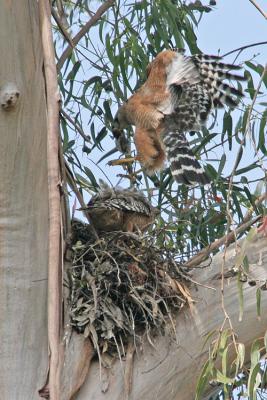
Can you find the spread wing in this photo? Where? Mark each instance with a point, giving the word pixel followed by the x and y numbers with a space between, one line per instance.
pixel 181 70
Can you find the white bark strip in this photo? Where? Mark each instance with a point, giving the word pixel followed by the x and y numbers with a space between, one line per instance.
pixel 54 264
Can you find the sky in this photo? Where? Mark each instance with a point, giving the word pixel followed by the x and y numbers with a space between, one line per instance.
pixel 232 24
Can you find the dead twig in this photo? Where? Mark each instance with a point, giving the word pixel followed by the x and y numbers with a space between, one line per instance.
pixel 77 128
pixel 67 52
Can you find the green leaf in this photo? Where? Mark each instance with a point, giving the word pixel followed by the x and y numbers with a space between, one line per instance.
pixel 252 386
pixel 91 176
pixel 107 154
pixel 203 379
pixel 237 205
pixel 255 353
pixel 68 145
pixel 223 379
pixel 262 133
pixel 251 234
pixel 258 69
pixel 107 110
pixel 258 297
pixel 223 339
pixel 259 188
pixel 224 362
pixel 238 158
pixel 212 173
pixel 247 169
pixel 123 69
pixel 110 49
pixel 246 264
pixel 241 354
pixel 244 121
pixel 250 85
pixel 73 72
pixel 82 181
pixel 208 336
pixel 228 127
pixel 221 165
pixel 240 297
pixel 265 341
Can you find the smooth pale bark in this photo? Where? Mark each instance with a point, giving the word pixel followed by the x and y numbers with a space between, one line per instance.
pixel 23 206
pixel 170 370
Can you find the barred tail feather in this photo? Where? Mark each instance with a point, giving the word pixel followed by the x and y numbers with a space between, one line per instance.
pixel 185 167
pixel 213 73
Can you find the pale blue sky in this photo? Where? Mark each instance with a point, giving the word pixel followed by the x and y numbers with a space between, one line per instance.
pixel 232 24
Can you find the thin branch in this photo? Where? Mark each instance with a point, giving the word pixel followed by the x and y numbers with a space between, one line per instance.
pixel 258 8
pixel 255 98
pixel 244 48
pixel 54 260
pixel 228 239
pixel 72 183
pixel 62 28
pixel 67 52
pixel 78 129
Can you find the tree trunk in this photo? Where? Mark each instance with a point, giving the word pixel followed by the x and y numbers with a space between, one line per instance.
pixel 23 205
pixel 171 369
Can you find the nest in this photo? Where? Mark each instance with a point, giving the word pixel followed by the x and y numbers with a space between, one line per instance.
pixel 123 285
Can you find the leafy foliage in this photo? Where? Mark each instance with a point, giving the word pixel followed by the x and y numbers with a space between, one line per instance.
pixel 108 64
pixel 222 368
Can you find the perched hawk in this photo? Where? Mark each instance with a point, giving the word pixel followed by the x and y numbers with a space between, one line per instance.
pixel 120 210
pixel 176 98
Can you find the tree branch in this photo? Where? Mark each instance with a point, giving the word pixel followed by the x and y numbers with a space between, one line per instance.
pixel 258 8
pixel 72 183
pixel 228 238
pixel 78 129
pixel 61 27
pixel 225 239
pixel 54 260
pixel 67 52
pixel 240 49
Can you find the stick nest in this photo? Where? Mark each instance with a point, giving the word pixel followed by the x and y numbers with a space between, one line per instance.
pixel 123 285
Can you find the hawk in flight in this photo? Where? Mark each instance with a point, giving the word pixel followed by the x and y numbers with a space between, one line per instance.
pixel 176 98
pixel 117 209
